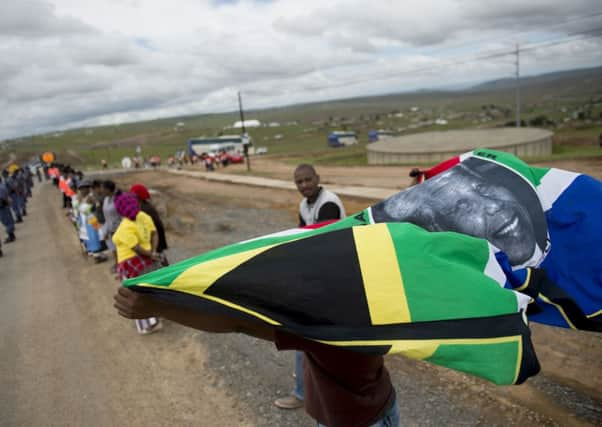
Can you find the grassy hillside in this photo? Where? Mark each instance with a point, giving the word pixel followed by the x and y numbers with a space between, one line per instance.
pixel 569 103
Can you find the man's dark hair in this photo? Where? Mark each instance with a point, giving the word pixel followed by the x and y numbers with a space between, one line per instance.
pixel 96 183
pixel 109 185
pixel 306 166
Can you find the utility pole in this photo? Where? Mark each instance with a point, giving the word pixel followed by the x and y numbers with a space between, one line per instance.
pixel 245 139
pixel 517 63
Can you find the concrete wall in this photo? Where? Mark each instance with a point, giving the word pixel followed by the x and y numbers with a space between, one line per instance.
pixel 535 148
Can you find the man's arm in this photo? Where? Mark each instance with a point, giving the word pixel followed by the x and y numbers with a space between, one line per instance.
pixel 135 305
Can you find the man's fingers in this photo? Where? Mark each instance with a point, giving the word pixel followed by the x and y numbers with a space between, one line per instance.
pixel 126 312
pixel 125 292
pixel 121 299
pixel 122 314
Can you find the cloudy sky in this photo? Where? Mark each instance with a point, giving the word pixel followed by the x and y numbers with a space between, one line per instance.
pixel 66 63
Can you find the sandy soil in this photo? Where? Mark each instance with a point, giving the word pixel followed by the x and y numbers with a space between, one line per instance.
pixel 68 359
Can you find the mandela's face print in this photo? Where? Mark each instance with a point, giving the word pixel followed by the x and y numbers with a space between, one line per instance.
pixel 488 211
pixel 480 199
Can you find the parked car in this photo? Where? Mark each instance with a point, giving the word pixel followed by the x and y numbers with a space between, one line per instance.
pixel 236 158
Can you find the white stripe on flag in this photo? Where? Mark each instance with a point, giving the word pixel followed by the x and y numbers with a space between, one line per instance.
pixel 465 156
pixel 493 269
pixel 552 185
pixel 284 233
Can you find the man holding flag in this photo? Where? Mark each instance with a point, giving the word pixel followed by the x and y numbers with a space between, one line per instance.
pixel 448 271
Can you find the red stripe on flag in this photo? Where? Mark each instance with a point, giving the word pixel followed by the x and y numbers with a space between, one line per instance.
pixel 442 167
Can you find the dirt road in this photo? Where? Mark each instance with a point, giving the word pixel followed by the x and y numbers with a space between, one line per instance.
pixel 381 176
pixel 69 360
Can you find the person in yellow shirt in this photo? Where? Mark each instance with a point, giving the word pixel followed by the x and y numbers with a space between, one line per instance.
pixel 135 243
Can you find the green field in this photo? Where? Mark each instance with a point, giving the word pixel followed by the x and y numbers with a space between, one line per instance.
pixel 570 102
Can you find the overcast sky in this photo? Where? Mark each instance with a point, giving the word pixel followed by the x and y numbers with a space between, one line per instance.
pixel 66 63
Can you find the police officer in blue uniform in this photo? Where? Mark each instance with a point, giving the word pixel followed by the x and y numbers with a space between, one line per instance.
pixel 14 189
pixel 6 217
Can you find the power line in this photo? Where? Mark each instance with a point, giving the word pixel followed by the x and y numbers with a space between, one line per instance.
pixel 517 52
pixel 536 29
pixel 571 37
pixel 583 35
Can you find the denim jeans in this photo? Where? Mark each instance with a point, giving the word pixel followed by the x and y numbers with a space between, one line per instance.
pixel 390 419
pixel 299 390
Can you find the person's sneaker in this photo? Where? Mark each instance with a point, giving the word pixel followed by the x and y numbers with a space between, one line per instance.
pixel 156 327
pixel 98 258
pixel 289 402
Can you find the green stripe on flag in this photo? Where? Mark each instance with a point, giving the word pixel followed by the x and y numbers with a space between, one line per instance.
pixel 455 266
pixel 498 362
pixel 532 174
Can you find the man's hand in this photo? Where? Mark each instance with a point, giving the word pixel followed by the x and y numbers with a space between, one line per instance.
pixel 134 305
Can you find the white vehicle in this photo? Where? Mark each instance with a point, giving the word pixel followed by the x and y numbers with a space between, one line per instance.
pixel 228 143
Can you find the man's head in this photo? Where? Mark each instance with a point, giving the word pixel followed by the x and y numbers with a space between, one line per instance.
pixel 84 187
pixel 96 187
pixel 307 180
pixel 107 188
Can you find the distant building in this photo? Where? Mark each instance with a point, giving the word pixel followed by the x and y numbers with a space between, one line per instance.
pixel 248 124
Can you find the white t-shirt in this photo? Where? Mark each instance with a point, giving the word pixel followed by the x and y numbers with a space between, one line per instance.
pixel 309 212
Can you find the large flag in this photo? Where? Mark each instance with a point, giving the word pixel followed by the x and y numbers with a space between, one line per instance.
pixel 443 272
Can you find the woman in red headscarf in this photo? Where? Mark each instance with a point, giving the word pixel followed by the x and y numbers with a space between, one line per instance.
pixel 136 246
pixel 147 207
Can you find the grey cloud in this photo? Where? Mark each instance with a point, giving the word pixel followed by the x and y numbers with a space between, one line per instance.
pixel 419 24
pixel 37 18
pixel 110 51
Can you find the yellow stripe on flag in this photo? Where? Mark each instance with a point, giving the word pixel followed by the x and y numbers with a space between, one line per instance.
pixel 423 349
pixel 198 278
pixel 383 283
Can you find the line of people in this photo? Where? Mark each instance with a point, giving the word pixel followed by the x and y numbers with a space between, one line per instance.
pixel 15 189
pixel 111 223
